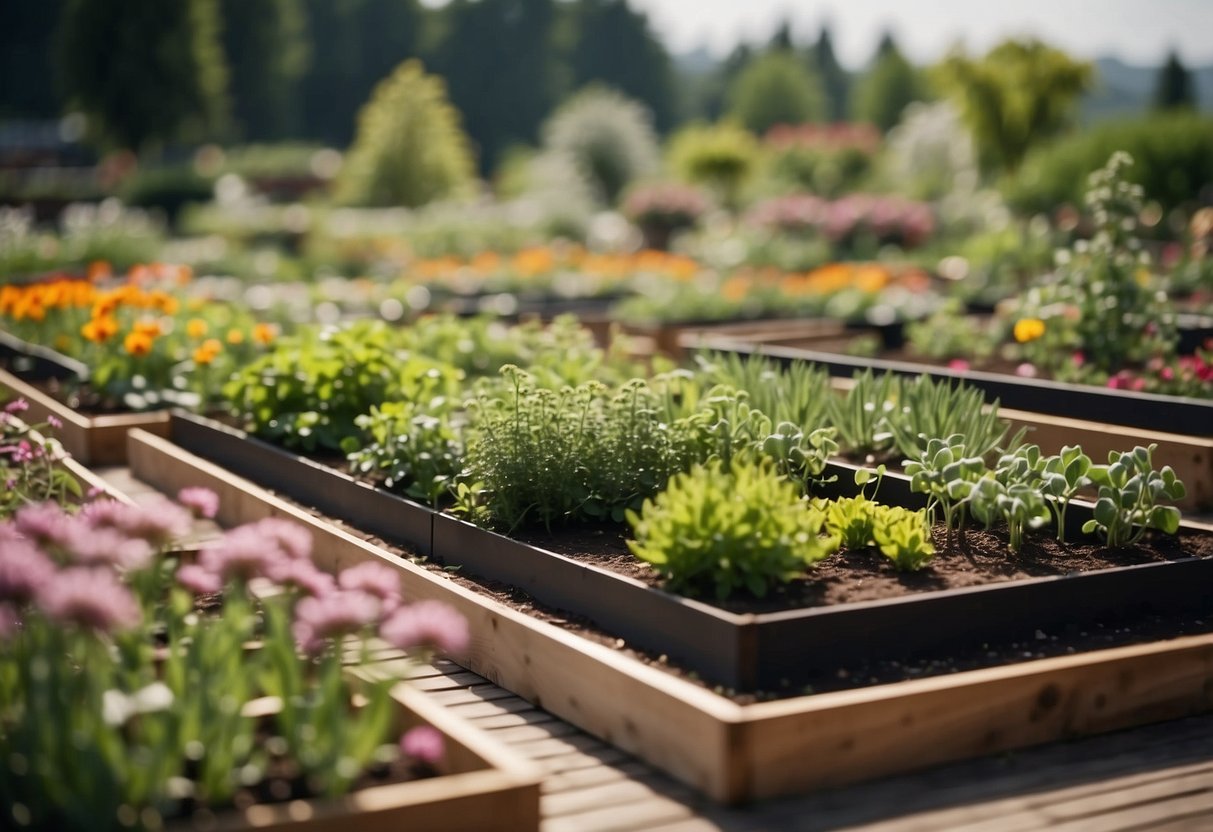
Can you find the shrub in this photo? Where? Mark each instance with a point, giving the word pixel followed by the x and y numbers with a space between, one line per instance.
pixel 410 148
pixel 721 157
pixel 777 88
pixel 608 137
pixel 168 189
pixel 731 527
pixel 1172 153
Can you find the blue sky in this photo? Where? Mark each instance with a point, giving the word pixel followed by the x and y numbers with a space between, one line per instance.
pixel 1137 31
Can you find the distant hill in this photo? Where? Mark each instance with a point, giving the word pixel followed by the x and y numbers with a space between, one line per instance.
pixel 1125 90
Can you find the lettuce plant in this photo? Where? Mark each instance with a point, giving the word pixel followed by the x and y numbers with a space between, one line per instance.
pixel 903 536
pixel 728 528
pixel 1130 497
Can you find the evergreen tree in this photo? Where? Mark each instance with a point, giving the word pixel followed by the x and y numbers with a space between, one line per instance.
pixel 501 63
pixel 774 89
pixel 613 45
pixel 266 54
pixel 1019 93
pixel 883 92
pixel 145 71
pixel 1174 89
pixel 834 79
pixel 27 32
pixel 782 39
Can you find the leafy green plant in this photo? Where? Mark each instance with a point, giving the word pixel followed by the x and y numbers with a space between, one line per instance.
pixel 414 446
pixel 904 537
pixel 798 393
pixel 728 527
pixel 1012 493
pixel 947 473
pixel 799 455
pixel 851 520
pixel 721 157
pixel 1062 477
pixel 1130 497
pixel 933 409
pixel 861 415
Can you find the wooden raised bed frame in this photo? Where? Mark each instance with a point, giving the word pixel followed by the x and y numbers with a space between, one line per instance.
pixel 481 786
pixel 765 651
pixel 91 440
pixel 736 753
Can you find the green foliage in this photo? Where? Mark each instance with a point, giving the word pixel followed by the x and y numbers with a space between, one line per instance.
pixel 1011 494
pixel 886 89
pixel 310 390
pixel 861 414
pixel 1130 495
pixel 931 409
pixel 904 537
pixel 410 149
pixel 608 138
pixel 1173 89
pixel 267 53
pixel 950 333
pixel 1019 93
pixel 776 88
pixel 413 445
pixel 947 472
pixel 145 71
pixel 721 157
pixel 835 83
pixel 728 528
pixel 1172 155
pixel 798 393
pixel 168 189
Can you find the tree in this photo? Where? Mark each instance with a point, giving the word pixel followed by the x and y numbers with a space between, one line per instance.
pixel 776 88
pixel 883 92
pixel 1174 88
pixel 834 79
pixel 502 66
pixel 409 149
pixel 145 71
pixel 27 32
pixel 267 52
pixel 613 45
pixel 1019 93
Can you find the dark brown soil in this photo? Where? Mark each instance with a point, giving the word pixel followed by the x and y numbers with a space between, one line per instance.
pixel 866 575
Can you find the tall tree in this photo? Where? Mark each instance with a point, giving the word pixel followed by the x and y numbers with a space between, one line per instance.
pixel 782 38
pixel 27 32
pixel 503 68
pixel 267 52
pixel 145 71
pixel 776 88
pixel 890 83
pixel 1017 94
pixel 613 44
pixel 1174 89
pixel 834 78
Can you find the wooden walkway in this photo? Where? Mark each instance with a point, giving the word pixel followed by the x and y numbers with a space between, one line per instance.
pixel 1159 777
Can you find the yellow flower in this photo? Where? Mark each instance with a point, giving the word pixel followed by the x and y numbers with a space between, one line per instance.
pixel 1029 329
pixel 196 328
pixel 148 327
pixel 235 336
pixel 137 343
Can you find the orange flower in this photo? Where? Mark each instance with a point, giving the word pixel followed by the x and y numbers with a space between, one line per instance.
pixel 207 352
pixel 148 327
pixel 137 343
pixel 1029 329
pixel 196 328
pixel 99 270
pixel 100 329
pixel 264 333
pixel 235 336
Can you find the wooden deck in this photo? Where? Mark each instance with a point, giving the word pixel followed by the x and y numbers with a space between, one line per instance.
pixel 1158 777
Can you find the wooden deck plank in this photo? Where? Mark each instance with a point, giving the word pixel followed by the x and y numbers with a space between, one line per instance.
pixel 632 816
pixel 532 716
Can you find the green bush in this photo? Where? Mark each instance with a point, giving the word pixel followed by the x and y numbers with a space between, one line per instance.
pixel 728 527
pixel 777 88
pixel 722 157
pixel 168 189
pixel 1172 154
pixel 410 148
pixel 608 137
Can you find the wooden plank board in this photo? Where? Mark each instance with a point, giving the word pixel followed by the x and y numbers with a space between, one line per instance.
pixel 736 753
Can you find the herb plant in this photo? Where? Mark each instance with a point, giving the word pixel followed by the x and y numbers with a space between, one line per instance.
pixel 728 528
pixel 947 474
pixel 861 415
pixel 904 537
pixel 1130 497
pixel 29 463
pixel 935 409
pixel 414 446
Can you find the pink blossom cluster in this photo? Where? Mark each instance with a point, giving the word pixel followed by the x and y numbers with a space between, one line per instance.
pixel 668 204
pixel 826 137
pixel 888 219
pixel 1185 375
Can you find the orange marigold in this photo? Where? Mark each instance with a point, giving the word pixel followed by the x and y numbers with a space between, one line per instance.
pixel 196 328
pixel 100 329
pixel 137 343
pixel 235 336
pixel 264 334
pixel 149 327
pixel 207 351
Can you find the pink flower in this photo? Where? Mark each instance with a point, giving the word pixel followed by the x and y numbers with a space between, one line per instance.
pixel 92 598
pixel 1026 370
pixel 376 579
pixel 158 521
pixel 423 744
pixel 243 553
pixel 16 406
pixel 54 421
pixel 426 624
pixel 318 620
pixel 293 539
pixel 302 575
pixel 958 364
pixel 198 580
pixel 1078 359
pixel 107 547
pixel 46 524
pixel 201 501
pixel 24 570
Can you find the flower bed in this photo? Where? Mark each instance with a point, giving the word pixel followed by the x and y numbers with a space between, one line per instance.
pixel 734 752
pixel 769 651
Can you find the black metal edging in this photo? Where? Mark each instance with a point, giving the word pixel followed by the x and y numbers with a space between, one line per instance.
pixel 1150 411
pixel 38 363
pixel 745 652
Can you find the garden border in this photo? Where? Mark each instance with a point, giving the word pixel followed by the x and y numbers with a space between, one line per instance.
pixel 737 753
pixel 765 651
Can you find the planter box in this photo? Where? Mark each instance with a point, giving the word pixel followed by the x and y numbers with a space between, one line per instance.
pixel 91 440
pixel 736 753
pixel 481 786
pixel 763 651
pixel 37 362
pixel 1150 411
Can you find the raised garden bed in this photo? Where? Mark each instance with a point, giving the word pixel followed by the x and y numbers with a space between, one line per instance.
pixel 741 650
pixel 480 786
pixel 1150 411
pixel 95 440
pixel 735 752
